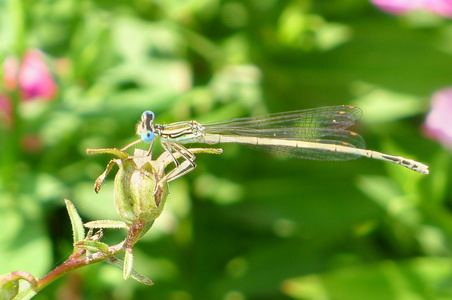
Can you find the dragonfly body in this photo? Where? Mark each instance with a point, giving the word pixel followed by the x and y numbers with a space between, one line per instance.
pixel 319 134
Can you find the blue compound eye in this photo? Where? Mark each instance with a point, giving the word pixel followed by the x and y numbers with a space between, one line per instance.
pixel 146 119
pixel 147 136
pixel 147 116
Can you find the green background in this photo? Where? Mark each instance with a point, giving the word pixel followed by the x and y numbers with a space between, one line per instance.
pixel 245 224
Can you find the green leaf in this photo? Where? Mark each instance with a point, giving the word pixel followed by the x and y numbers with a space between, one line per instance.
pixel 134 274
pixel 107 224
pixel 78 231
pixel 128 263
pixel 25 295
pixel 9 286
pixel 93 246
pixel 9 290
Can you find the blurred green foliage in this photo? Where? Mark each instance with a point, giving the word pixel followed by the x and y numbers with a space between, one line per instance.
pixel 243 225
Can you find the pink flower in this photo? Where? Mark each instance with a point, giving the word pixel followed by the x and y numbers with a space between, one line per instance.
pixel 35 79
pixel 438 124
pixel 33 76
pixel 31 79
pixel 439 7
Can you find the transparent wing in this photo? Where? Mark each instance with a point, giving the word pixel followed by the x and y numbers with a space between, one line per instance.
pixel 325 125
pixel 339 117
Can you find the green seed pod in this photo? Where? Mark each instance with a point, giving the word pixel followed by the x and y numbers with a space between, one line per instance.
pixel 141 186
pixel 135 193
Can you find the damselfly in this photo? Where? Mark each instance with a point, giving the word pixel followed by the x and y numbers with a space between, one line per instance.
pixel 317 134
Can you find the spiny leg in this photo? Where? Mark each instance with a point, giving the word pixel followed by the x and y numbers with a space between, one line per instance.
pixel 166 146
pixel 185 153
pixel 150 149
pixel 179 171
pixel 178 148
